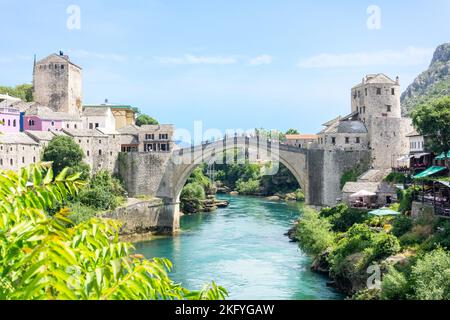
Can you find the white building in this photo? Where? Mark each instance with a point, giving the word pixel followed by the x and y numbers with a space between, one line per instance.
pixel 101 117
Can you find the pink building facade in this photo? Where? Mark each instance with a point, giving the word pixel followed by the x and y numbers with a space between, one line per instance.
pixel 9 120
pixel 34 123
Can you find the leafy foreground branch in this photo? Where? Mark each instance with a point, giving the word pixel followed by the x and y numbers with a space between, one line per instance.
pixel 47 257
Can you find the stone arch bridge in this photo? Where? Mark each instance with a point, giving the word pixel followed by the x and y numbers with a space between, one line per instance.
pixel 163 175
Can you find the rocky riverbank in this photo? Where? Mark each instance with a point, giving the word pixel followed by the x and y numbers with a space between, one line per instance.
pixel 210 204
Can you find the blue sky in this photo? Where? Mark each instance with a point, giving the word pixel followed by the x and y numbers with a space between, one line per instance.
pixel 231 64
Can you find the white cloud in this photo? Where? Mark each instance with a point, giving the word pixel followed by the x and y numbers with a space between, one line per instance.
pixel 407 57
pixel 260 60
pixel 192 59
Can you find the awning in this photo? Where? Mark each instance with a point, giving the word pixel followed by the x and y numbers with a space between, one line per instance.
pixel 445 183
pixel 429 172
pixel 362 194
pixel 384 212
pixel 404 158
pixel 420 155
pixel 442 156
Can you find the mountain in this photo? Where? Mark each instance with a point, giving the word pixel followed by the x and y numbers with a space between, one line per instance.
pixel 430 84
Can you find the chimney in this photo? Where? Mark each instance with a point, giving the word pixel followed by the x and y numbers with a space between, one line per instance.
pixel 397 80
pixel 106 101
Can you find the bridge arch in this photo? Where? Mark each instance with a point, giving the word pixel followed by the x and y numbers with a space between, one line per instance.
pixel 297 169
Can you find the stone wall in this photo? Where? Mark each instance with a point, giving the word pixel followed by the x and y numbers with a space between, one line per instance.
pixel 420 209
pixel 388 140
pixel 325 169
pixel 142 172
pixel 143 217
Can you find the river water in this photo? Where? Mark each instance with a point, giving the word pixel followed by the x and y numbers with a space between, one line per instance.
pixel 242 248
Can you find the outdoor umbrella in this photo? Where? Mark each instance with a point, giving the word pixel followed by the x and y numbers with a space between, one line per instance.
pixel 362 194
pixel 384 212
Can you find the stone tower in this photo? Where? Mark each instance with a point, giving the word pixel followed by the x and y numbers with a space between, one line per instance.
pixel 57 84
pixel 376 101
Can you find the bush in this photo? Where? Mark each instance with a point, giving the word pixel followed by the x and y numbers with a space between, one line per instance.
pixel 395 285
pixel 193 191
pixel 197 176
pixel 342 217
pixel 431 276
pixel 417 235
pixel 314 233
pixel 248 187
pixel 401 225
pixel 385 246
pixel 299 195
pixel 440 238
pixel 104 192
pixel 81 213
pixel 399 178
pixel 191 197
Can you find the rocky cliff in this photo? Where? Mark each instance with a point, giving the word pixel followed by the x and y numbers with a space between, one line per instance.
pixel 430 84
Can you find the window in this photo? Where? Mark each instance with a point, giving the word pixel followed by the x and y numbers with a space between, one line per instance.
pixel 333 140
pixel 1 162
pixel 62 66
pixel 364 109
pixel 75 126
pixel 96 125
pixel 88 153
pixel 3 122
pixel 388 108
pixel 79 141
pixel 365 91
pixel 163 136
pixel 91 126
pixel 110 153
pixel 347 140
pixel 11 162
pixel 358 140
pixel 14 122
pixel 99 152
pixel 378 91
pixel 100 141
pixel 23 159
pixel 34 159
pixel 9 123
pixel 357 109
pixel 68 126
pixel 53 123
pixel 359 94
pixel 393 91
pixel 149 137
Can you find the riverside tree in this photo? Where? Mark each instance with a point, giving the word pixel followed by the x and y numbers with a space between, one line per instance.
pixel 45 257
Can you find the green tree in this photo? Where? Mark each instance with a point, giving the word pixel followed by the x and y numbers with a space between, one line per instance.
pixel 432 120
pixel 292 131
pixel 64 152
pixel 43 257
pixel 314 233
pixel 144 119
pixel 22 91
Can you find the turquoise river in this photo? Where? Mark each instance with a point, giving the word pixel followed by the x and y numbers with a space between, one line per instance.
pixel 244 249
